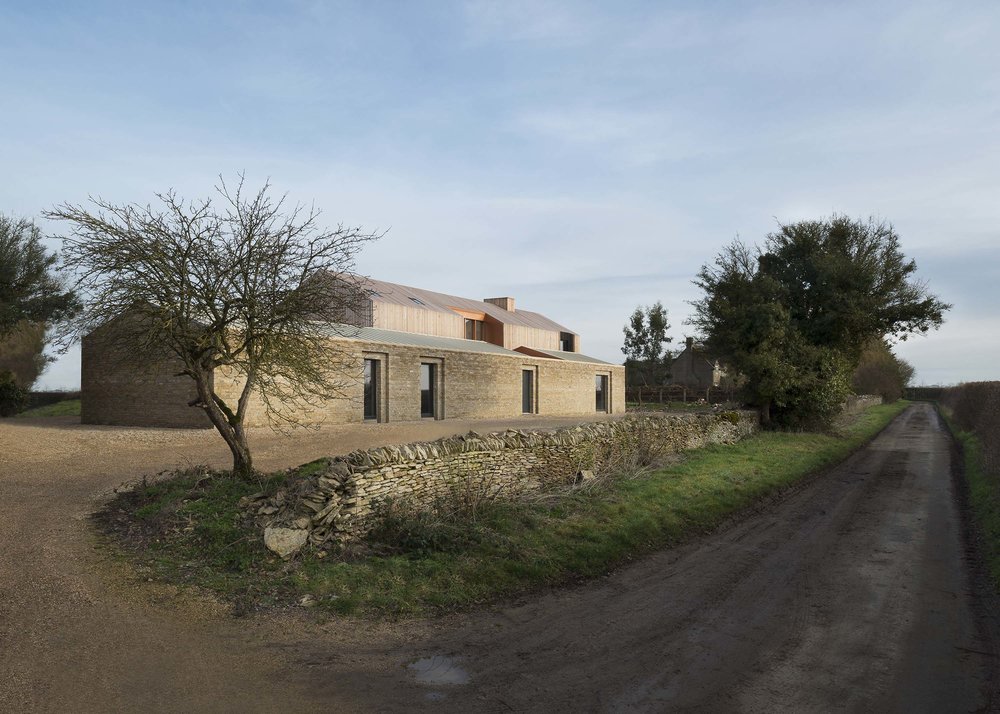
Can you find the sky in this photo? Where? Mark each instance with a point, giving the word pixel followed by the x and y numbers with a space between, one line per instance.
pixel 582 157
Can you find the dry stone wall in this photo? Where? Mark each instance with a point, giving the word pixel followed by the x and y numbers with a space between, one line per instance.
pixel 336 503
pixel 856 404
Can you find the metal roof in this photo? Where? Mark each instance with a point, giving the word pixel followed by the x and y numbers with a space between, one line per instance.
pixel 455 344
pixel 440 302
pixel 569 356
pixel 411 339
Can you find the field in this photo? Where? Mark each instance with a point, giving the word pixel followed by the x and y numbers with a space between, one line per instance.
pixel 67 407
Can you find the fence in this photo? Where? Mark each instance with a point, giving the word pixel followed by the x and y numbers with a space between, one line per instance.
pixel 678 393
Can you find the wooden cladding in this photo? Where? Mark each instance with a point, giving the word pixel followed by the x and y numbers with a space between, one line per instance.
pixel 390 316
pixel 469 314
pixel 453 322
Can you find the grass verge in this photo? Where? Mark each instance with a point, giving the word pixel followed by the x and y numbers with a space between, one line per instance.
pixel 984 497
pixel 188 529
pixel 67 407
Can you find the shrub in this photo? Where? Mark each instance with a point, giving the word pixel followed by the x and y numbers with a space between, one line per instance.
pixel 975 406
pixel 12 397
pixel 881 372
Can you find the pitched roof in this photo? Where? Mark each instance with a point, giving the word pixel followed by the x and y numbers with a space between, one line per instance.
pixel 455 344
pixel 441 302
pixel 558 354
pixel 696 353
pixel 412 339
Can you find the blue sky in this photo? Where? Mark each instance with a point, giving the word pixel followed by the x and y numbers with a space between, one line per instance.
pixel 582 157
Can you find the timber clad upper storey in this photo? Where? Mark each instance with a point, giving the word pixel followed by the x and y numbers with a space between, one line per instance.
pixel 494 320
pixel 407 354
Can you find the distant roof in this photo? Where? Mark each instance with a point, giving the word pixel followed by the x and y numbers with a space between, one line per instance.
pixel 696 353
pixel 441 302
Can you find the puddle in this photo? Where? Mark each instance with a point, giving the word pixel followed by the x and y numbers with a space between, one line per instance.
pixel 437 670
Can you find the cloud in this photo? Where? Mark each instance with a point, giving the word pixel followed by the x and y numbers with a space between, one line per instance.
pixel 587 156
pixel 545 22
pixel 626 138
pixel 965 349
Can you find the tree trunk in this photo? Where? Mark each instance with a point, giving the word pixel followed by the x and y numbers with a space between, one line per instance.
pixel 242 459
pixel 229 426
pixel 765 414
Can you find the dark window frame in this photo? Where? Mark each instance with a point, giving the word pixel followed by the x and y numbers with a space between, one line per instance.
pixel 601 385
pixel 529 402
pixel 429 395
pixel 375 404
pixel 475 329
pixel 372 386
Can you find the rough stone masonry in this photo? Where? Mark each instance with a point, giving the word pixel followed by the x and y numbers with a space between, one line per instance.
pixel 335 504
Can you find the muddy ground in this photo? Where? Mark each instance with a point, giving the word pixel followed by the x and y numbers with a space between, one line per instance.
pixel 855 593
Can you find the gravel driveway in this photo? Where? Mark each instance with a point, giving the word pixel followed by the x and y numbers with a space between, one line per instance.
pixel 853 594
pixel 79 633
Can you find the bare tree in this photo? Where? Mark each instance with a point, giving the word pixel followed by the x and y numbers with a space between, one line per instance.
pixel 250 288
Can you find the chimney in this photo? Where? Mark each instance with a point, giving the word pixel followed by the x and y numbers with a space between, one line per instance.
pixel 689 342
pixel 507 303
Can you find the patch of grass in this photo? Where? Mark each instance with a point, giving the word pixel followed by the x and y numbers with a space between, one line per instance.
pixel 67 407
pixel 984 497
pixel 449 557
pixel 188 528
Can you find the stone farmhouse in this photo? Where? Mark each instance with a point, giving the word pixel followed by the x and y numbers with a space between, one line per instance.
pixel 695 369
pixel 412 354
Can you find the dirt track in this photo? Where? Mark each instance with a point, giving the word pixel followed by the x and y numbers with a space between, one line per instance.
pixel 852 594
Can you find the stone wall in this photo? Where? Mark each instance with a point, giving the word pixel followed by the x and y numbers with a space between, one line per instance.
pixel 117 389
pixel 856 404
pixel 470 385
pixel 335 504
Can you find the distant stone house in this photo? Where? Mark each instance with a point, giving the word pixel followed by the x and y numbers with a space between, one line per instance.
pixel 695 369
pixel 411 354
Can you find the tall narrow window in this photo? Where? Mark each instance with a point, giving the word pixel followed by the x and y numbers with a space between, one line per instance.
pixel 601 388
pixel 527 391
pixel 566 342
pixel 428 372
pixel 371 389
